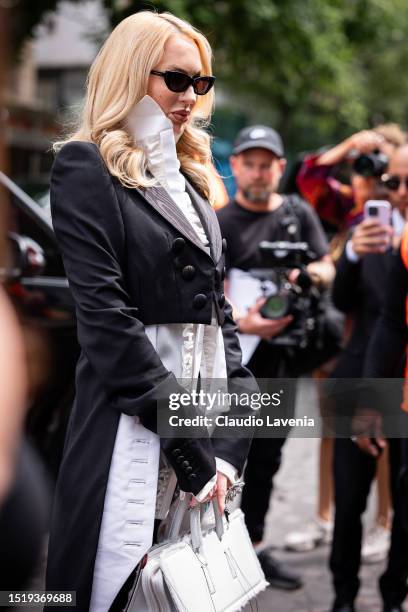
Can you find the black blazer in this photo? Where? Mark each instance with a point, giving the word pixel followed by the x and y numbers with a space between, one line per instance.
pixel 359 290
pixel 131 259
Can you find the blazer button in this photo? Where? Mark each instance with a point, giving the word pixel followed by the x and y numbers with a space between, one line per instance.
pixel 176 452
pixel 223 273
pixel 180 459
pixel 189 469
pixel 221 300
pixel 224 245
pixel 188 273
pixel 199 301
pixel 192 476
pixel 178 245
pixel 185 464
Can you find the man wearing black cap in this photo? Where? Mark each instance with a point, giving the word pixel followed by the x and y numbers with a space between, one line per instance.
pixel 258 212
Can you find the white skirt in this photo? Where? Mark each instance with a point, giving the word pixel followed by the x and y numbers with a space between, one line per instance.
pixel 130 501
pixel 128 514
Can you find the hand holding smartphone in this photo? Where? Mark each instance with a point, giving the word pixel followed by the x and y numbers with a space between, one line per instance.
pixel 374 234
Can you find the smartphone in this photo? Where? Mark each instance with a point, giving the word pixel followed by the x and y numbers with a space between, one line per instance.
pixel 379 210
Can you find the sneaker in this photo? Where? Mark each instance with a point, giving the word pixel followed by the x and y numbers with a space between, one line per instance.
pixel 277 574
pixel 312 535
pixel 376 545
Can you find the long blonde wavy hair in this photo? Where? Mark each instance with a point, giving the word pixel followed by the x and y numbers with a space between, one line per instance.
pixel 118 79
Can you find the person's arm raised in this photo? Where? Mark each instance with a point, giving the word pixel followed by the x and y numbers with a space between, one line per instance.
pixel 363 142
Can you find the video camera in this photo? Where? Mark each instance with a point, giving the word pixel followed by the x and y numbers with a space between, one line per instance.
pixel 299 299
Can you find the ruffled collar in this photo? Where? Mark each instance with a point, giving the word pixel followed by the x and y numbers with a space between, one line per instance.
pixel 153 132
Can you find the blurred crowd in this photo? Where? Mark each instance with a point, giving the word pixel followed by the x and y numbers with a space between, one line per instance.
pixel 357 192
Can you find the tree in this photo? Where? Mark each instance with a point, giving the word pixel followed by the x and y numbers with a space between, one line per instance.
pixel 316 69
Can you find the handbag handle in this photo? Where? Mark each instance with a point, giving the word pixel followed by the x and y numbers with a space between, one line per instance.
pixel 219 524
pixel 195 522
pixel 195 526
pixel 175 525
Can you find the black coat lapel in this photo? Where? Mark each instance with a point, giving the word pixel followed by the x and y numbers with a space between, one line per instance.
pixel 160 200
pixel 208 219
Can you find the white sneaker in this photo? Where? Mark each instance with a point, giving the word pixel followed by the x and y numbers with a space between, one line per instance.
pixel 312 535
pixel 376 544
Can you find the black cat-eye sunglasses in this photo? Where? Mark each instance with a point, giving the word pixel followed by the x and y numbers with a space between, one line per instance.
pixel 178 81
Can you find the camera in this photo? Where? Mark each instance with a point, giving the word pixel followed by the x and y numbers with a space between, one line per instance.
pixel 300 299
pixel 371 164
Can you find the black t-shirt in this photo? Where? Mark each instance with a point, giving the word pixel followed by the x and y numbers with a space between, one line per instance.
pixel 244 230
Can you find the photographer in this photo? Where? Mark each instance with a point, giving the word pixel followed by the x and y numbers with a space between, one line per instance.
pixel 360 290
pixel 341 205
pixel 259 213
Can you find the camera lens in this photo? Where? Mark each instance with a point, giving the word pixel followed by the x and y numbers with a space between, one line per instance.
pixel 276 306
pixel 372 211
pixel 364 165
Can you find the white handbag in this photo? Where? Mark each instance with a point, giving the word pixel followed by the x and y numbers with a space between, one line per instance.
pixel 206 570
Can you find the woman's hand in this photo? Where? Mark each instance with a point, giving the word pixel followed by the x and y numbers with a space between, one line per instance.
pixel 222 487
pixel 219 492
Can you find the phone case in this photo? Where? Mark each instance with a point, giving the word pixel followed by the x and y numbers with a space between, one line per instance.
pixel 378 209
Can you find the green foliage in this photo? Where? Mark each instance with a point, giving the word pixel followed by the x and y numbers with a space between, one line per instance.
pixel 316 69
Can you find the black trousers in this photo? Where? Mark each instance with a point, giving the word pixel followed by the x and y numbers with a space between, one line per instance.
pixel 354 472
pixel 265 454
pixel 264 460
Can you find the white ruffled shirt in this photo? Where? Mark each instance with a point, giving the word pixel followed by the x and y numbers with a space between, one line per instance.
pixel 195 348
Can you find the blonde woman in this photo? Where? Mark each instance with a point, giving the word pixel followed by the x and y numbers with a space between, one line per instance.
pixel 131 196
